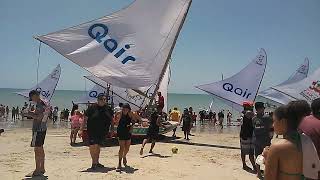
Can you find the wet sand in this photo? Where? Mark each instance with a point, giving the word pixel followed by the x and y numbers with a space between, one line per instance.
pixel 210 154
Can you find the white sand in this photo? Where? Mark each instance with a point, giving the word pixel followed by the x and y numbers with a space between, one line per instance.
pixel 65 162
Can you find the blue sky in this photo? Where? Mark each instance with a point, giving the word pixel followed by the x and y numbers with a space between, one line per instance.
pixel 219 36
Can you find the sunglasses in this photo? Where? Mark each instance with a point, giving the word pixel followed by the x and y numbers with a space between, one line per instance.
pixel 102 99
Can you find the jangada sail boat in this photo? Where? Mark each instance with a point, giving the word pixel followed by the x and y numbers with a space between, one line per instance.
pixel 46 87
pixel 136 100
pixel 128 49
pixel 240 87
pixel 281 98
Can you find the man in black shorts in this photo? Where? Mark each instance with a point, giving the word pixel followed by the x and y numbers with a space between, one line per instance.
pixel 98 117
pixel 39 129
pixel 153 130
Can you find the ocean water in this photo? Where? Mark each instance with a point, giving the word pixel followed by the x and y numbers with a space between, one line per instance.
pixel 63 99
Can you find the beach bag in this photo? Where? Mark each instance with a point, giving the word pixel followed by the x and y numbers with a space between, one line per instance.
pixel 311 161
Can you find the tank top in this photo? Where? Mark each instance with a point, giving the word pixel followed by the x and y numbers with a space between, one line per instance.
pixel 124 123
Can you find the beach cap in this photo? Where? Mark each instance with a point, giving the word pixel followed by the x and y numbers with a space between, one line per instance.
pixel 259 105
pixel 126 105
pixel 247 106
pixel 32 93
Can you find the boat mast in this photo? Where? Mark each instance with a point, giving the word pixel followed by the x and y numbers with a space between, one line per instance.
pixel 169 57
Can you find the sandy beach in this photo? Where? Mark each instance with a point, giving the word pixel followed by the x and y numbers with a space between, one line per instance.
pixel 205 156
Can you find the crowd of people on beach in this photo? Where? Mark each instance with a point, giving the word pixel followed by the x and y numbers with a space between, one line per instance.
pixel 16 112
pixel 96 122
pixel 21 113
pixel 297 123
pixel 289 158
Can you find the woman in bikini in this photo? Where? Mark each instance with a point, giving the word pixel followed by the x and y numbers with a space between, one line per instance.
pixel 284 159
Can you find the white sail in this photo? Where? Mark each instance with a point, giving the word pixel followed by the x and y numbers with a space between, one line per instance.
pixel 122 95
pixel 276 96
pixel 164 88
pixel 129 48
pixel 126 95
pixel 242 86
pixel 47 86
pixel 307 89
pixel 91 96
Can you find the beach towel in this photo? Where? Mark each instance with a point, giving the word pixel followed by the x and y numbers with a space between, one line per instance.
pixel 311 161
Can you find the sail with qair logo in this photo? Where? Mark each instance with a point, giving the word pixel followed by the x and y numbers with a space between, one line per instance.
pixel 242 86
pixel 46 87
pixel 130 48
pixel 281 98
pixel 307 89
pixel 126 95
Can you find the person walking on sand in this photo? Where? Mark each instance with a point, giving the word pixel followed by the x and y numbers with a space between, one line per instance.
pixel 75 119
pixel 98 119
pixel 124 131
pixel 153 130
pixel 262 125
pixel 175 115
pixel 13 114
pixel 39 129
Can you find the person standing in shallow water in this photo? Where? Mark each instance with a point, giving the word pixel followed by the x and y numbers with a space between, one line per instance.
pixel 187 122
pixel 153 130
pixel 13 113
pixel 124 133
pixel 7 111
pixel 221 118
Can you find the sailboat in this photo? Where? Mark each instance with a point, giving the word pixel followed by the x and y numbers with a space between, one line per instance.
pixel 130 48
pixel 136 100
pixel 240 87
pixel 46 87
pixel 281 98
pixel 307 89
